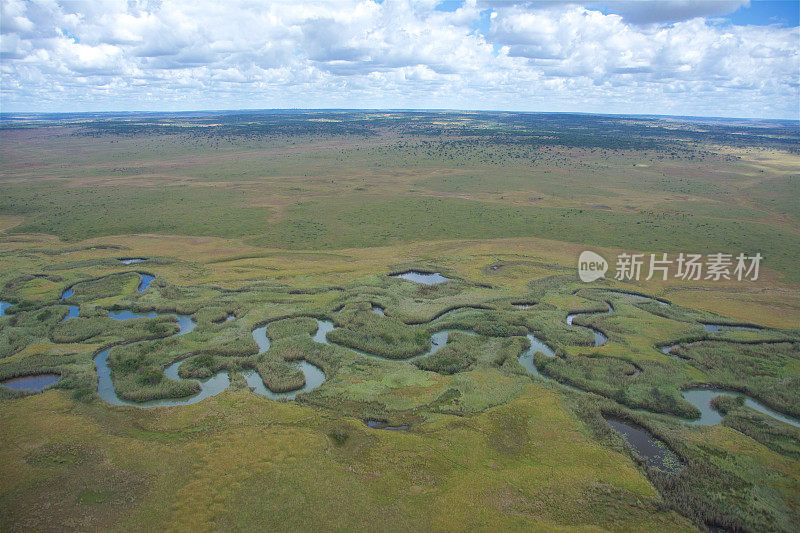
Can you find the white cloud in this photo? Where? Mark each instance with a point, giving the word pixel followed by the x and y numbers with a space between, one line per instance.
pixel 630 57
pixel 574 41
pixel 647 12
pixel 637 11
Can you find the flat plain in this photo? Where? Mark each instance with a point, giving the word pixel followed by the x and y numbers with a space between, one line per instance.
pixel 298 221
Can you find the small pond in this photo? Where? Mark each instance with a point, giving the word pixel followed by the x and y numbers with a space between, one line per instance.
pixel 31 383
pixel 383 424
pixel 131 260
pixel 438 341
pixel 73 312
pixel 129 315
pixel 715 328
pixel 655 452
pixel 185 324
pixel 426 278
pixel 144 282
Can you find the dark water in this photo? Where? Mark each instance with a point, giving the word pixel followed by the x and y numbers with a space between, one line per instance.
pixel 571 317
pixel 105 386
pixel 666 348
pixel 323 327
pixel 651 449
pixel 131 260
pixel 260 336
pixel 422 277
pixel 314 378
pixel 701 398
pixel 715 328
pixel 313 374
pixel 185 322
pixel 526 359
pixel 213 385
pixel 129 315
pixel 145 280
pixel 74 312
pixel 438 341
pixel 31 383
pixel 643 298
pixel 382 424
pixel 3 306
pixel 599 337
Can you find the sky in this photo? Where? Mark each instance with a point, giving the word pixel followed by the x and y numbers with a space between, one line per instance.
pixel 730 58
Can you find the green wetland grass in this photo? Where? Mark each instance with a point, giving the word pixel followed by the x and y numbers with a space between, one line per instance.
pixel 299 229
pixel 475 372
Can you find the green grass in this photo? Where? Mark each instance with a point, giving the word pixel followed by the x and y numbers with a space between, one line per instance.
pixel 777 436
pixel 384 336
pixel 291 327
pixel 317 192
pixel 489 446
pixel 471 395
pixel 376 221
pixel 763 371
pixel 83 212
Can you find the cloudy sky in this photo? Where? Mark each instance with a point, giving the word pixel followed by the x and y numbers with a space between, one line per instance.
pixel 735 58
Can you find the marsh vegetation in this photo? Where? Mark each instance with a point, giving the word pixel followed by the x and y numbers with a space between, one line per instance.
pixel 395 271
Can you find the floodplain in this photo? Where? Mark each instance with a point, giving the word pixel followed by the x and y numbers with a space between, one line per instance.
pixel 310 319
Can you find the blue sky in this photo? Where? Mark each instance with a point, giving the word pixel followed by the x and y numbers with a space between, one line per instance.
pixel 735 58
pixel 783 12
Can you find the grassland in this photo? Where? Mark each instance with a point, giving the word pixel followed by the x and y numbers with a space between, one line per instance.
pixel 279 222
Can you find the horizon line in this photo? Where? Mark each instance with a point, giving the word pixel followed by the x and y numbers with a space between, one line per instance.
pixel 4 114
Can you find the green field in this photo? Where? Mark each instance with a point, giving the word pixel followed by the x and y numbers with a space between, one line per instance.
pixel 251 220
